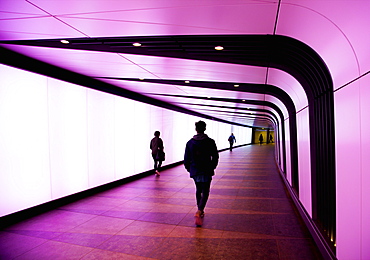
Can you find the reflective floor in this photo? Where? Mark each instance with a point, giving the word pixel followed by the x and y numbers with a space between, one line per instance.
pixel 248 216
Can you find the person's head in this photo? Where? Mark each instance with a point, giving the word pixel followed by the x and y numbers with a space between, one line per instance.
pixel 200 127
pixel 157 133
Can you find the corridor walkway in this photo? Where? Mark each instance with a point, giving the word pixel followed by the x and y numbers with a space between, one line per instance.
pixel 248 216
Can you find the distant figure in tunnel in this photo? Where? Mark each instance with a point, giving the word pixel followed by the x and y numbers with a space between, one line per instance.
pixel 260 139
pixel 271 140
pixel 231 140
pixel 156 145
pixel 200 160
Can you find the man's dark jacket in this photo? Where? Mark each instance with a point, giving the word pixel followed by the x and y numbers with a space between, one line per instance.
pixel 201 156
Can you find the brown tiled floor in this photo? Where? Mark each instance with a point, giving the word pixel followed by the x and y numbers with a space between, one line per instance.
pixel 248 216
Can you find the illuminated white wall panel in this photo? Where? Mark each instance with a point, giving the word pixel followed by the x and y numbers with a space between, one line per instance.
pixel 279 146
pixel 304 162
pixel 213 132
pixel 167 134
pixel 348 169
pixel 125 137
pixel 214 129
pixel 24 148
pixel 287 152
pixel 100 133
pixel 183 129
pixel 223 133
pixel 243 134
pixel 142 133
pixel 58 138
pixel 67 109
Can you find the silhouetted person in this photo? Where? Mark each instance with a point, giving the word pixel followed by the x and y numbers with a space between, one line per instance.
pixel 271 140
pixel 231 140
pixel 260 139
pixel 156 145
pixel 200 160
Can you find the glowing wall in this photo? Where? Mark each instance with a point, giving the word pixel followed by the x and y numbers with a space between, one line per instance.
pixel 304 162
pixel 365 166
pixel 352 118
pixel 24 153
pixel 57 138
pixel 287 152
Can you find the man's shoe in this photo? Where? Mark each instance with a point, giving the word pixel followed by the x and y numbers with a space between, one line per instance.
pixel 198 218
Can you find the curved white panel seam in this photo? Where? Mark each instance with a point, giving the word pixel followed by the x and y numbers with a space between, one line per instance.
pixel 344 35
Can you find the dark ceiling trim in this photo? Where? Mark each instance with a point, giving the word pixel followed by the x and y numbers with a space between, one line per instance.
pixel 243 87
pixel 265 111
pixel 231 100
pixel 245 115
pixel 277 51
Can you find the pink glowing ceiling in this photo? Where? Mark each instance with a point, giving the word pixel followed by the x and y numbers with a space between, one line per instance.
pixel 334 29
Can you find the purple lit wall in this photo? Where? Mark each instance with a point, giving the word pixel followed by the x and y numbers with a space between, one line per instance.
pixel 353 166
pixel 287 147
pixel 304 166
pixel 57 139
pixel 365 166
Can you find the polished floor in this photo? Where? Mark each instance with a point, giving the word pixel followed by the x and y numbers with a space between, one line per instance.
pixel 248 216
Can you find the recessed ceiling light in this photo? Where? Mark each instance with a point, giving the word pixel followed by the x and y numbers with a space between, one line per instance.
pixel 187 81
pixel 137 44
pixel 219 48
pixel 64 41
pixel 141 78
pixel 243 100
pixel 236 85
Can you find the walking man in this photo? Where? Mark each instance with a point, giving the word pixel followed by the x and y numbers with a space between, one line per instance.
pixel 200 160
pixel 231 140
pixel 156 145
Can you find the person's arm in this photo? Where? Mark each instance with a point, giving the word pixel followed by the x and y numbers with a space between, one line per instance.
pixel 214 155
pixel 187 158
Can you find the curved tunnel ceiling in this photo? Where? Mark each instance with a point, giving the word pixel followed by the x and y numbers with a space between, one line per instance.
pixel 328 27
pixel 267 50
